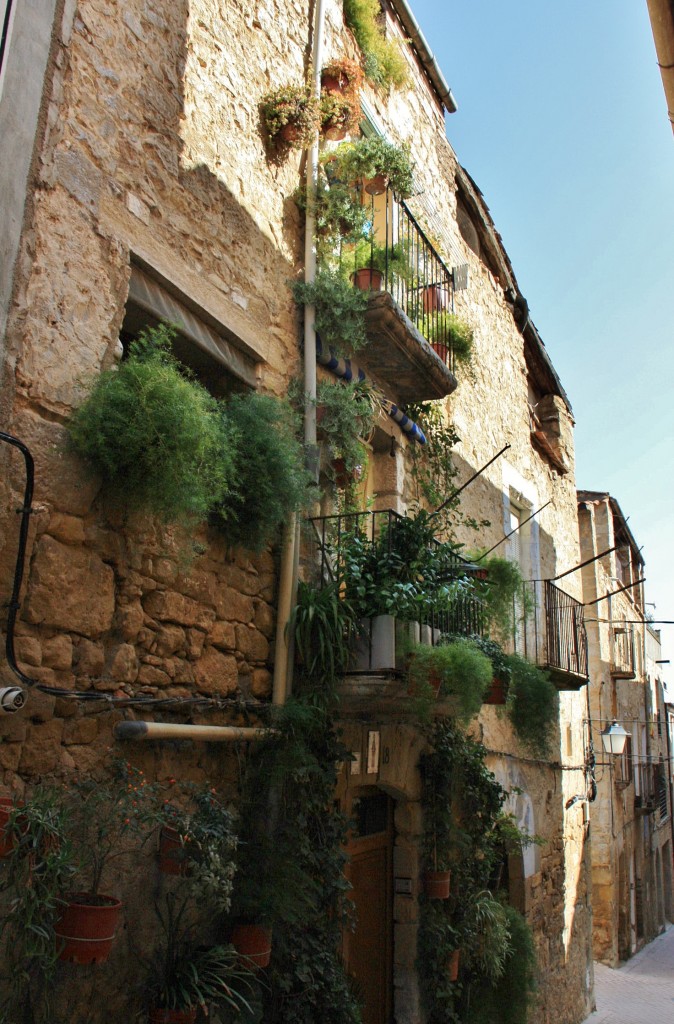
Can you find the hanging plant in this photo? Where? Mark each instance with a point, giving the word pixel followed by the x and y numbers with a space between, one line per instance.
pixel 458 672
pixel 373 157
pixel 154 434
pixel 291 116
pixel 271 478
pixel 383 61
pixel 532 704
pixel 340 311
pixel 348 412
pixel 342 76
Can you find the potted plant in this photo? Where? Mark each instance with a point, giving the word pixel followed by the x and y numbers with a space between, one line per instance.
pixel 323 622
pixel 291 116
pixel 377 165
pixel 154 434
pixel 38 867
pixel 342 76
pixel 448 335
pixel 340 116
pixel 339 311
pixel 340 216
pixel 6 840
pixel 374 263
pixel 185 977
pixel 383 61
pixel 532 704
pixel 105 821
pixel 269 468
pixel 501 668
pixel 458 671
pixel 347 413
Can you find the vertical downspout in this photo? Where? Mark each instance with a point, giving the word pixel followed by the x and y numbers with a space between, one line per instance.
pixel 290 551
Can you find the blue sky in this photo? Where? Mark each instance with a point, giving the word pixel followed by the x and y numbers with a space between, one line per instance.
pixel 562 122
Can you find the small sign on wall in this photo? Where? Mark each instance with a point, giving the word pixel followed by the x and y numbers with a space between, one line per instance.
pixel 356 762
pixel 403 886
pixel 373 741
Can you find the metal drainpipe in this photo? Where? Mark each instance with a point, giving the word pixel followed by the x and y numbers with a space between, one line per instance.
pixel 184 731
pixel 290 554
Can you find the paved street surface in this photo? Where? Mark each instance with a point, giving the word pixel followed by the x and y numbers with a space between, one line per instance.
pixel 640 992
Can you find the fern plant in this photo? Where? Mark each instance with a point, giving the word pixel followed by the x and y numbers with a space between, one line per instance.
pixel 154 434
pixel 271 479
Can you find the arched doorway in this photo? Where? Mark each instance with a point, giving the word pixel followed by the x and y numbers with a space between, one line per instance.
pixel 368 950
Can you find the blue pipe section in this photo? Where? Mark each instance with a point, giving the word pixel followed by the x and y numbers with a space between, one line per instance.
pixel 344 368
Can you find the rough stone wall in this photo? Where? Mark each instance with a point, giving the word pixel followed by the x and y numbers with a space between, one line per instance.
pixel 152 152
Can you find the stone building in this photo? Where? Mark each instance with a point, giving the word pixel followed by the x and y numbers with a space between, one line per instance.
pixel 631 816
pixel 141 189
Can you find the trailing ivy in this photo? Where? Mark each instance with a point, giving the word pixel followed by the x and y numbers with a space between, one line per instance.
pixel 462 804
pixel 532 705
pixel 288 803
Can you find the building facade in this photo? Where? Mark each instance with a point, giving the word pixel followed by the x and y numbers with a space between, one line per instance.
pixel 631 816
pixel 145 190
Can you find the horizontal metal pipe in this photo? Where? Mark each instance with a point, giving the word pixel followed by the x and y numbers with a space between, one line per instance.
pixel 180 731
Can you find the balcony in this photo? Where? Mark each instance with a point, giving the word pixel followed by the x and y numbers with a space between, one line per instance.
pixel 623 664
pixel 411 291
pixel 380 557
pixel 551 633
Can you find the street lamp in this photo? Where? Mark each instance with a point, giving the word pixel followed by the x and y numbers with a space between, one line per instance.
pixel 614 739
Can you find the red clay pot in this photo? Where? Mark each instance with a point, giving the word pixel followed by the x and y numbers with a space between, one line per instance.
pixel 6 808
pixel 87 927
pixel 441 350
pixel 253 944
pixel 368 280
pixel 171 852
pixel 436 884
pixel 375 186
pixel 291 134
pixel 435 298
pixel 497 694
pixel 453 965
pixel 173 1016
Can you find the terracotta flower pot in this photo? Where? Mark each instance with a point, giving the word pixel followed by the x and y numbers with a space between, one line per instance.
pixel 253 944
pixel 368 280
pixel 375 186
pixel 334 132
pixel 436 884
pixel 441 350
pixel 453 965
pixel 87 927
pixel 171 852
pixel 173 1016
pixel 291 134
pixel 435 298
pixel 342 476
pixel 6 808
pixel 497 693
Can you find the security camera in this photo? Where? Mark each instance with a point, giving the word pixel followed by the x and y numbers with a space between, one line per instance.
pixel 11 699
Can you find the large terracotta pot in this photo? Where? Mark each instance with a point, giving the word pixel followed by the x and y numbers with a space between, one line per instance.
pixel 496 694
pixel 436 884
pixel 253 944
pixel 441 350
pixel 375 186
pixel 87 927
pixel 453 965
pixel 171 856
pixel 6 808
pixel 368 280
pixel 173 1016
pixel 435 298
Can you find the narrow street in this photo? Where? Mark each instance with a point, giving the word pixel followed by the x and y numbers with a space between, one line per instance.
pixel 640 992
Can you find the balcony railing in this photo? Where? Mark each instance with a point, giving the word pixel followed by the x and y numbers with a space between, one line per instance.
pixel 549 629
pixel 332 536
pixel 411 271
pixel 622 653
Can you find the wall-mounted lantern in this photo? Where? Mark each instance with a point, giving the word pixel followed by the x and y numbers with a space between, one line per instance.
pixel 614 739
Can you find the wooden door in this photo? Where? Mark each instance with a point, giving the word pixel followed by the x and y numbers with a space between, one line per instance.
pixel 368 950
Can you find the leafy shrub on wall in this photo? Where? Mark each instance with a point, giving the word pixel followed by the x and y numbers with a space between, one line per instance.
pixel 155 434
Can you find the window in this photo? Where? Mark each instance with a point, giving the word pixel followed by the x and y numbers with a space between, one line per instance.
pixel 624 765
pixel 202 344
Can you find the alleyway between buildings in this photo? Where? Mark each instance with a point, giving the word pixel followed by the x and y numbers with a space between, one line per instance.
pixel 640 992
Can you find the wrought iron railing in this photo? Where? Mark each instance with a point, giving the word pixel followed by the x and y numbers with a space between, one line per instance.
pixel 622 653
pixel 549 628
pixel 333 536
pixel 403 261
